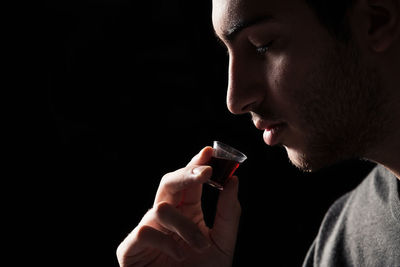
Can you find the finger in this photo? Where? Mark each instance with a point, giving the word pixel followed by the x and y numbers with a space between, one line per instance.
pixel 183 178
pixel 170 218
pixel 192 176
pixel 202 157
pixel 173 184
pixel 144 237
pixel 227 217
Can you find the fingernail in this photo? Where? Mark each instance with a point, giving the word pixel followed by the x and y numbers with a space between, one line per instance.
pixel 197 171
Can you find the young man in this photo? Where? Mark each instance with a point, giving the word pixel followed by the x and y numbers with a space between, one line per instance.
pixel 323 81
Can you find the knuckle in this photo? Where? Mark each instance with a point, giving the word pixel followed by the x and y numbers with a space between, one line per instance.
pixel 166 178
pixel 171 178
pixel 121 252
pixel 162 209
pixel 174 181
pixel 143 232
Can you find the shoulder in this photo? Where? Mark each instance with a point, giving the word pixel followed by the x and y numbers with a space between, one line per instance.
pixel 373 186
pixel 323 250
pixel 357 224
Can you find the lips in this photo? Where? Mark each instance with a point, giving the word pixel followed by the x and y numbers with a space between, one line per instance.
pixel 272 130
pixel 271 137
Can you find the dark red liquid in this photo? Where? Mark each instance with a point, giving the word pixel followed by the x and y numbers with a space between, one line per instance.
pixel 222 169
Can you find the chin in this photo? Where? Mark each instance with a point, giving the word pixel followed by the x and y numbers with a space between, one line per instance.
pixel 307 162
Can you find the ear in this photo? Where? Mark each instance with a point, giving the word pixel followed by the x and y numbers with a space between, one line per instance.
pixel 384 23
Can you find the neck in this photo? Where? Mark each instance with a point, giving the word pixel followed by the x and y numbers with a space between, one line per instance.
pixel 387 151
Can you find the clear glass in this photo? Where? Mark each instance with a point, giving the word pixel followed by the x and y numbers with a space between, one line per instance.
pixel 224 162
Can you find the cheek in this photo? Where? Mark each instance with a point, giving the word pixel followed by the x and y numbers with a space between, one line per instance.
pixel 285 80
pixel 277 76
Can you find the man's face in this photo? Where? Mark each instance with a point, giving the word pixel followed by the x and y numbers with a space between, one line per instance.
pixel 306 90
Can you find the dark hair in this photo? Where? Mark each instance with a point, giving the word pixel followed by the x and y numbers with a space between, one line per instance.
pixel 333 15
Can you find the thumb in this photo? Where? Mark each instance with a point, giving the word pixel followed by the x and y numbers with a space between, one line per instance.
pixel 202 157
pixel 226 222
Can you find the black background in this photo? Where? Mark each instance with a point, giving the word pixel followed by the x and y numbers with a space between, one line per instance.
pixel 118 93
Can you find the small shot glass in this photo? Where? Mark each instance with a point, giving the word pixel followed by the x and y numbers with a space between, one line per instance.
pixel 224 161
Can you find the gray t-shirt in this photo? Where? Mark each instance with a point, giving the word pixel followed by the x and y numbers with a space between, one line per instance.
pixel 362 228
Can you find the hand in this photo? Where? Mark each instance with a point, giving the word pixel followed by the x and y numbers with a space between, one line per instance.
pixel 173 232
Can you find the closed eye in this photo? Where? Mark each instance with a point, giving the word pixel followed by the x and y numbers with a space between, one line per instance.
pixel 261 50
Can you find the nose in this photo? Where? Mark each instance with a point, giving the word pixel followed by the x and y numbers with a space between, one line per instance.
pixel 244 90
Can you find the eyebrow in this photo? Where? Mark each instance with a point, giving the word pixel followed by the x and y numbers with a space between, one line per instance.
pixel 240 25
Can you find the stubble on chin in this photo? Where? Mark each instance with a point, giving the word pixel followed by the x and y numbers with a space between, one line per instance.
pixel 338 113
pixel 299 160
pixel 306 161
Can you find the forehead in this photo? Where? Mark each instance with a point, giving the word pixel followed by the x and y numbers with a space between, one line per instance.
pixel 227 14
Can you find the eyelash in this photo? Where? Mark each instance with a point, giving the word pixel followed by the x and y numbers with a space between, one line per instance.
pixel 262 50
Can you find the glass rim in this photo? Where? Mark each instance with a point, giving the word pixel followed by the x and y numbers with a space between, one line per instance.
pixel 233 152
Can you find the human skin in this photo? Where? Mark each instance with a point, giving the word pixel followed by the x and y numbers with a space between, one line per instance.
pixel 320 98
pixel 173 232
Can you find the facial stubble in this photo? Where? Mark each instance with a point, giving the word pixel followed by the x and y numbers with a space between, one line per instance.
pixel 341 109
